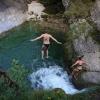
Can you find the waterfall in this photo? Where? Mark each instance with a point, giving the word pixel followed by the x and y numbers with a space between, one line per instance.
pixel 51 77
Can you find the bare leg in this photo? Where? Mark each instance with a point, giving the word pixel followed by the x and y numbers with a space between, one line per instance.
pixel 46 53
pixel 42 52
pixel 74 73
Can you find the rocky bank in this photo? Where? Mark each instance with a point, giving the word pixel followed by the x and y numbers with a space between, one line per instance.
pixel 78 21
pixel 15 12
pixel 80 39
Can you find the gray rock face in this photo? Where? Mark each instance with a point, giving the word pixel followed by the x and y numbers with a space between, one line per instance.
pixel 85 45
pixel 19 4
pixel 95 14
pixel 91 52
pixel 10 18
pixel 93 77
pixel 66 3
pixel 12 13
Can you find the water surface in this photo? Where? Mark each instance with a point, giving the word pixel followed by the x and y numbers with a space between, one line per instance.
pixel 16 45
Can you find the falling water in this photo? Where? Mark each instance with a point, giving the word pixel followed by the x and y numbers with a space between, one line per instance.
pixel 47 74
pixel 51 77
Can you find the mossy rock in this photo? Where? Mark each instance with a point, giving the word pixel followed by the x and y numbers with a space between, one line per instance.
pixel 96 35
pixel 79 8
pixel 58 91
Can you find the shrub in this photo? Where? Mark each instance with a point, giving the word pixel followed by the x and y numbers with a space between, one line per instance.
pixel 19 73
pixel 79 8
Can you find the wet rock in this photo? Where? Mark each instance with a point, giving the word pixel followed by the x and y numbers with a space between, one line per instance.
pixel 37 77
pixel 58 74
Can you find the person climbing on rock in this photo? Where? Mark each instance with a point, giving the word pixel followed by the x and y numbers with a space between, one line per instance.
pixel 78 66
pixel 46 42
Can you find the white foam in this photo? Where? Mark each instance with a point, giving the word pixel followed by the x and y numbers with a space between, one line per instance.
pixel 51 78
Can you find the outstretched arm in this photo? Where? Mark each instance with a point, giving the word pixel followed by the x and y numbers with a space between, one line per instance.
pixel 74 64
pixel 55 40
pixel 36 38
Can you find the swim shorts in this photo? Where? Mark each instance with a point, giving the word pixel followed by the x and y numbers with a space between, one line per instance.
pixel 45 47
pixel 79 67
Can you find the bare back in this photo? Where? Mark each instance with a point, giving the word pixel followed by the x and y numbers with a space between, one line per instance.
pixel 46 38
pixel 80 62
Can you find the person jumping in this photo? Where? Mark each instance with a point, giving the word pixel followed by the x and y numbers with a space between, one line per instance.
pixel 46 42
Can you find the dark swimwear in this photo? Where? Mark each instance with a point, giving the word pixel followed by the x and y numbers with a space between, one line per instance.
pixel 79 67
pixel 45 47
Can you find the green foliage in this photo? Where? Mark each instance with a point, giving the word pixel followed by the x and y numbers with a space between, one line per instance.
pixel 81 27
pixel 79 8
pixel 18 73
pixel 76 29
pixel 96 35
